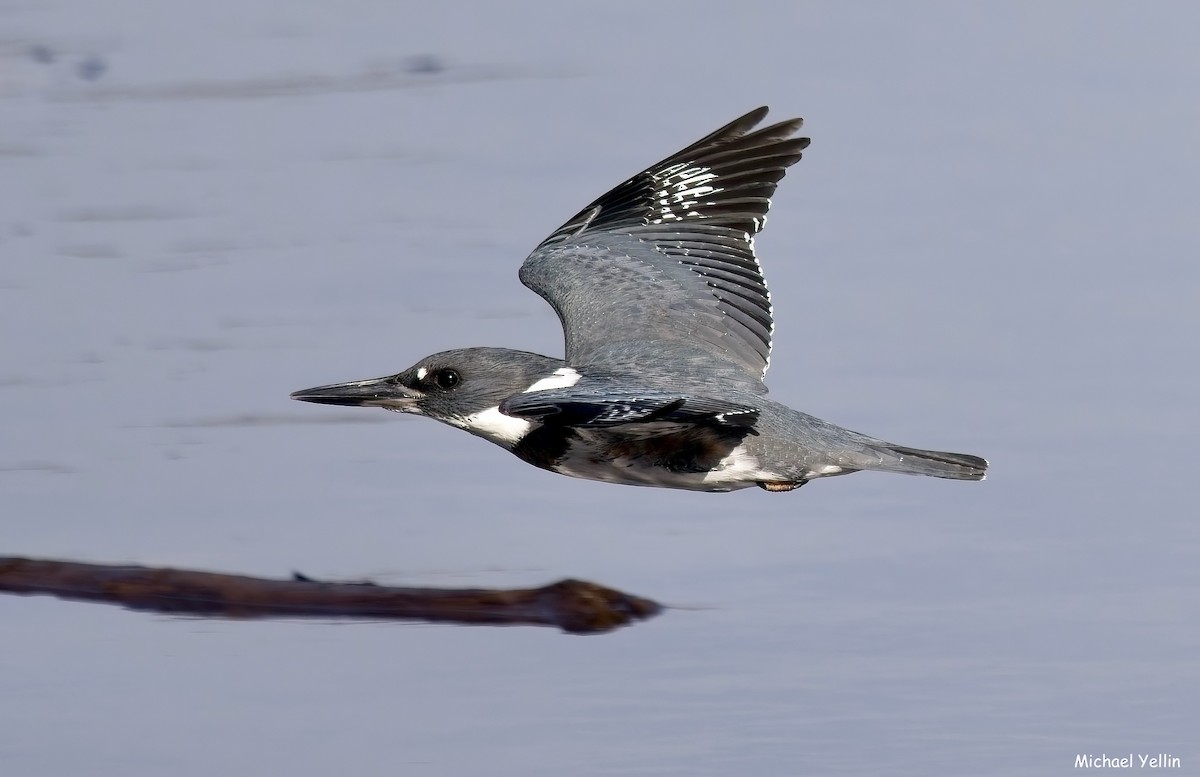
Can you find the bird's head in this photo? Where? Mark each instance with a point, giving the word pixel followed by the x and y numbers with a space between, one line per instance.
pixel 463 388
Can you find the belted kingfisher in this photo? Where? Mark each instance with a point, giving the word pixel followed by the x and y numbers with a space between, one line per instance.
pixel 668 326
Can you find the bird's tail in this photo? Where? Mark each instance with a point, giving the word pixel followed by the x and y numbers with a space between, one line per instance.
pixel 939 464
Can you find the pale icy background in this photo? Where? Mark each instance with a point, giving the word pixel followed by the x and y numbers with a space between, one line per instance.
pixel 991 247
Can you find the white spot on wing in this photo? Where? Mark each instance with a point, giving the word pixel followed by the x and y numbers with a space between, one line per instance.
pixel 563 377
pixel 682 192
pixel 421 373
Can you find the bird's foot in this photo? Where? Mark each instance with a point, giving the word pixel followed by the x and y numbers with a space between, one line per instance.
pixel 780 485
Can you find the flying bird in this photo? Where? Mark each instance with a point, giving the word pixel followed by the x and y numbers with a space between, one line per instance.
pixel 668 326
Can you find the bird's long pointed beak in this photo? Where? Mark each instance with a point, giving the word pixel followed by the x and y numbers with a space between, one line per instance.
pixel 376 392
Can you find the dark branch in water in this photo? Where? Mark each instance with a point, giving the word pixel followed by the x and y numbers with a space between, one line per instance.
pixel 574 606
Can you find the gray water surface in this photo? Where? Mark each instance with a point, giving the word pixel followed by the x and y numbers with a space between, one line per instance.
pixel 991 246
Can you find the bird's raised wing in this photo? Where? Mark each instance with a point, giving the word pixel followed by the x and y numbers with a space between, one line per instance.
pixel 666 259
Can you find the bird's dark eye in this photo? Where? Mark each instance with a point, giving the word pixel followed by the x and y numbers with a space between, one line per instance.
pixel 446 379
